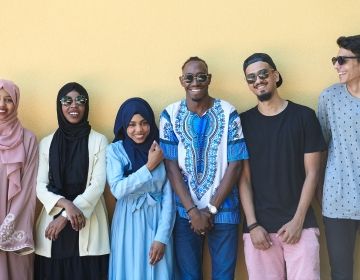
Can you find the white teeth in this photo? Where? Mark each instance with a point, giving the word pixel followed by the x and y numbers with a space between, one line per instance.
pixel 74 113
pixel 195 90
pixel 2 111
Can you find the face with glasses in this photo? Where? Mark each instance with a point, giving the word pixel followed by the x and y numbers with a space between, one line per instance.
pixel 73 106
pixel 195 80
pixel 347 66
pixel 261 79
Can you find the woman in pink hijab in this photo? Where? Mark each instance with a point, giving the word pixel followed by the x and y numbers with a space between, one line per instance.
pixel 18 169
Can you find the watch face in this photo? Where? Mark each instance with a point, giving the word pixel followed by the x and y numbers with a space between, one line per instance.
pixel 212 209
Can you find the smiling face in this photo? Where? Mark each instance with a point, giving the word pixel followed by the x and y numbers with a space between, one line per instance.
pixel 195 91
pixel 265 88
pixel 73 113
pixel 350 70
pixel 138 129
pixel 7 106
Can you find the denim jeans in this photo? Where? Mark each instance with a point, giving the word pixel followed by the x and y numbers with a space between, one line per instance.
pixel 222 242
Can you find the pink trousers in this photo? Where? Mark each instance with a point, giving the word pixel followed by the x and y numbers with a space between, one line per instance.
pixel 282 261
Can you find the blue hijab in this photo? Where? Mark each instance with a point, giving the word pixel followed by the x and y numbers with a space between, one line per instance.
pixel 137 153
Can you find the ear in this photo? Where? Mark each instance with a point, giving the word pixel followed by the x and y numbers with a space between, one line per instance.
pixel 209 78
pixel 277 75
pixel 182 82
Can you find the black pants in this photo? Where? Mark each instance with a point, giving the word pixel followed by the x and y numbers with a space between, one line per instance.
pixel 340 238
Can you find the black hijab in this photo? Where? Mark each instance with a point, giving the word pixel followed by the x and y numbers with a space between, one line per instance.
pixel 69 153
pixel 137 153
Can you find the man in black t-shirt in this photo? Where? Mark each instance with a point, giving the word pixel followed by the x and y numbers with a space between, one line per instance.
pixel 278 182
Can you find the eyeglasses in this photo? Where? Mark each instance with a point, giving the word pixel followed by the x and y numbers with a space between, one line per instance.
pixel 262 74
pixel 67 100
pixel 200 78
pixel 342 59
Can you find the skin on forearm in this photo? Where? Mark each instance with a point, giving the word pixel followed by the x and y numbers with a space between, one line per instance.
pixel 178 184
pixel 259 236
pixel 230 178
pixel 200 220
pixel 312 170
pixel 246 194
pixel 62 202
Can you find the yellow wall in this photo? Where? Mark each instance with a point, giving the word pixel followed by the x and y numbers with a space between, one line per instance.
pixel 119 49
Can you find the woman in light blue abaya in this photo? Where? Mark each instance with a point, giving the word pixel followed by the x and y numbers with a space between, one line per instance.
pixel 141 242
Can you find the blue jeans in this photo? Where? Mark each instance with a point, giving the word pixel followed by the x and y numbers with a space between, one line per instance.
pixel 222 242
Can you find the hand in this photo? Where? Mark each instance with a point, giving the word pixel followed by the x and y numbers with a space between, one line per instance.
pixel 75 216
pixel 156 252
pixel 200 220
pixel 55 227
pixel 290 233
pixel 155 156
pixel 260 238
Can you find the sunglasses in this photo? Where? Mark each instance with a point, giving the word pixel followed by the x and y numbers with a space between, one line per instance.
pixel 342 59
pixel 261 74
pixel 200 78
pixel 67 100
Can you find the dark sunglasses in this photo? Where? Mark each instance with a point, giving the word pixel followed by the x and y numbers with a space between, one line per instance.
pixel 67 100
pixel 262 74
pixel 342 59
pixel 200 78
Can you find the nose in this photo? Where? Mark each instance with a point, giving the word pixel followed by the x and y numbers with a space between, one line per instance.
pixel 258 80
pixel 138 128
pixel 73 104
pixel 194 81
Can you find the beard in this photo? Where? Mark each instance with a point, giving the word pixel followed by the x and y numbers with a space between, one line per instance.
pixel 264 97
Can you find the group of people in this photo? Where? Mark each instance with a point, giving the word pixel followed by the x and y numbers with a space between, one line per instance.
pixel 182 184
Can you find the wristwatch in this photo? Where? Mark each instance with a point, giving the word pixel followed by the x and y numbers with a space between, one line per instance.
pixel 63 213
pixel 212 209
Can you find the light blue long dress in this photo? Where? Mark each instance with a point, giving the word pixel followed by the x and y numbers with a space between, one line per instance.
pixel 144 212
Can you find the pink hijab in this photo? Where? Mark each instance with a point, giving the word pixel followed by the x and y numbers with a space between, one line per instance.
pixel 12 152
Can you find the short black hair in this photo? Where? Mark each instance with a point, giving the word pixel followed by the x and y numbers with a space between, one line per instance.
pixel 351 43
pixel 194 58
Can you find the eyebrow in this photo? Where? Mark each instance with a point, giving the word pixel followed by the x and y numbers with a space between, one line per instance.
pixel 134 122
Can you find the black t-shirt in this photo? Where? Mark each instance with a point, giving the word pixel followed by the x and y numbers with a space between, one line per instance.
pixel 276 146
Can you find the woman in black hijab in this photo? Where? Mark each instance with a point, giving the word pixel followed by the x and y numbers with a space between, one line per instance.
pixel 72 229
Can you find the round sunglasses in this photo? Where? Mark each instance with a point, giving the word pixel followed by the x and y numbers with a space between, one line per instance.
pixel 67 100
pixel 200 77
pixel 261 74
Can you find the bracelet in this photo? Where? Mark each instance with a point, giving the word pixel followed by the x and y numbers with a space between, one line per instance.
pixel 191 208
pixel 252 226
